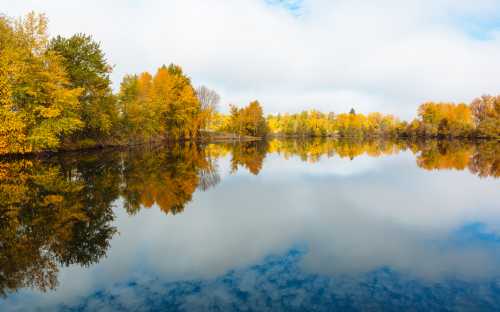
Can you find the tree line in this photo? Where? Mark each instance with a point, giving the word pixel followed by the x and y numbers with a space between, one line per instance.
pixel 56 94
pixel 479 119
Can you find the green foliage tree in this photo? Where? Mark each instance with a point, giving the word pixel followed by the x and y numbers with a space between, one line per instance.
pixel 88 69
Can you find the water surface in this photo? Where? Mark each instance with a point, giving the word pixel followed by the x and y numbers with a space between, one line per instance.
pixel 284 225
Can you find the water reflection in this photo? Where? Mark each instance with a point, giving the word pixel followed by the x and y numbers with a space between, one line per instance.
pixel 481 158
pixel 52 214
pixel 166 177
pixel 61 212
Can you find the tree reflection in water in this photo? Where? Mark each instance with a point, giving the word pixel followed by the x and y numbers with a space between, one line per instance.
pixel 58 211
pixel 53 213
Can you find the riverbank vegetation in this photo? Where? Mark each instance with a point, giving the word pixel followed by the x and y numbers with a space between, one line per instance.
pixel 480 119
pixel 56 94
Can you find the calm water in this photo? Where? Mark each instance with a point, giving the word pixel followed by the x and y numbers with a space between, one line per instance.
pixel 315 225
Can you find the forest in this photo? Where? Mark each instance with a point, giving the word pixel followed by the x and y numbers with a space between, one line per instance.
pixel 56 94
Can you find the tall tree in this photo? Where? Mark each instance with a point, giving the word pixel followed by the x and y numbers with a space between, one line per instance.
pixel 248 120
pixel 38 106
pixel 178 101
pixel 89 70
pixel 163 105
pixel 486 113
pixel 209 101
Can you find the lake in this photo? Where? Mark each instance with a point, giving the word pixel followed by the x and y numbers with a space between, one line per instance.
pixel 281 225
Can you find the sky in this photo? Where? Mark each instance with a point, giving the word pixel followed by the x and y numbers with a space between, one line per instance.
pixel 291 55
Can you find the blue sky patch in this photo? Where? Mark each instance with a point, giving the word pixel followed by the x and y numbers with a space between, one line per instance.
pixel 294 6
pixel 478 27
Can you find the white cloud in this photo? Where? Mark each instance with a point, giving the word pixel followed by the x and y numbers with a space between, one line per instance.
pixel 388 56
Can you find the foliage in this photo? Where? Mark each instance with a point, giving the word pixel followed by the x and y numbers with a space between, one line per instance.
pixel 317 124
pixel 248 120
pixel 444 120
pixel 164 105
pixel 209 101
pixel 56 94
pixel 486 114
pixel 38 106
pixel 88 70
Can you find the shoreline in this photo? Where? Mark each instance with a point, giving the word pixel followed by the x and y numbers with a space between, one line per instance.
pixel 227 138
pixel 122 146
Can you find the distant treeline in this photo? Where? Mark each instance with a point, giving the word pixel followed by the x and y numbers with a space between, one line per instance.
pixel 56 94
pixel 480 119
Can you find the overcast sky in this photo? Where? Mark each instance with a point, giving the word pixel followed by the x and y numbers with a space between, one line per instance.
pixel 385 55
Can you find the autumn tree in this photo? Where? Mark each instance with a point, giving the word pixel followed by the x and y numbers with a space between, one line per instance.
pixel 209 101
pixel 161 106
pixel 88 69
pixel 39 107
pixel 177 97
pixel 445 120
pixel 248 120
pixel 486 114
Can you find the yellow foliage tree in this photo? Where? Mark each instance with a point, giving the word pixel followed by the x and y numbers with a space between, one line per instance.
pixel 38 108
